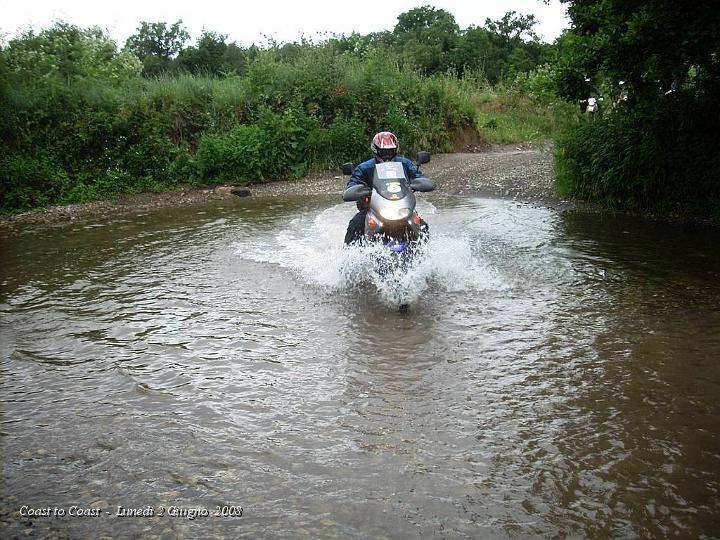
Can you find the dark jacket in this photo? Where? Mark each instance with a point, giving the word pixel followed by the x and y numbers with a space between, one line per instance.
pixel 363 173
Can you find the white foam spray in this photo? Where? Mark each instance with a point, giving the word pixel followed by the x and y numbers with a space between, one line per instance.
pixel 312 246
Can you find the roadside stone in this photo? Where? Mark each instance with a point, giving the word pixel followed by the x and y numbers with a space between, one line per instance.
pixel 241 191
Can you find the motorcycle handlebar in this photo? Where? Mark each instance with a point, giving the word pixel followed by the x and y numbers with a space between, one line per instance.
pixel 356 193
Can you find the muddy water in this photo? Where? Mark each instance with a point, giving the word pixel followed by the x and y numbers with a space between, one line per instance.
pixel 555 375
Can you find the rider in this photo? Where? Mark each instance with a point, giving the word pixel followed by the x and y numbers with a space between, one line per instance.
pixel 384 147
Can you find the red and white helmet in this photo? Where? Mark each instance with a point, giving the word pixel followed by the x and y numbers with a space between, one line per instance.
pixel 384 146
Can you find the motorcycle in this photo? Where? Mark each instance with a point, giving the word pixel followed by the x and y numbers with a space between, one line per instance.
pixel 593 105
pixel 391 218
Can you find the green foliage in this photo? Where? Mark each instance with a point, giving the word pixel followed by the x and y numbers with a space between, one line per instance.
pixel 156 44
pixel 656 150
pixel 65 53
pixel 79 122
pixel 646 44
pixel 662 163
pixel 276 146
pixel 184 168
pixel 427 38
pixel 232 156
pixel 513 26
pixel 430 41
pixel 342 141
pixel 211 56
pixel 540 84
pixel 30 181
pixel 93 185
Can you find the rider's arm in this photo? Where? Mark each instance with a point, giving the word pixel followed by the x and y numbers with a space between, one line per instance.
pixel 362 174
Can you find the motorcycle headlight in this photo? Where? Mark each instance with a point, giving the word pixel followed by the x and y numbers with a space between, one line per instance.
pixel 395 214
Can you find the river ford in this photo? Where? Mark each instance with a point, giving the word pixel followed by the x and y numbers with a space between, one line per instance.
pixel 226 370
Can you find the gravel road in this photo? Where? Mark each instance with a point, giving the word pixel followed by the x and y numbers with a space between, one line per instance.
pixel 523 173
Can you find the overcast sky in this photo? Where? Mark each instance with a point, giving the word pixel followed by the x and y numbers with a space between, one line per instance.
pixel 248 22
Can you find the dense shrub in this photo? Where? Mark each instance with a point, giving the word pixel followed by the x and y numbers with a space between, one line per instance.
pixel 30 181
pixel 276 146
pixel 233 155
pixel 98 137
pixel 89 131
pixel 92 185
pixel 662 161
pixel 342 141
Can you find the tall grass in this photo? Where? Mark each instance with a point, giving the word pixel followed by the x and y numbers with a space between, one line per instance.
pixel 91 138
pixel 524 109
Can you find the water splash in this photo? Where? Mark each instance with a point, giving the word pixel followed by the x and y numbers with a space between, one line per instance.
pixel 312 246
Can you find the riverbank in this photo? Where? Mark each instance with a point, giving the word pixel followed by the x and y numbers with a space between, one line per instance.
pixel 520 172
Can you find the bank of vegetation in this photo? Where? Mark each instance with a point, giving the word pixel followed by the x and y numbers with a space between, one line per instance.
pixel 82 119
pixel 653 145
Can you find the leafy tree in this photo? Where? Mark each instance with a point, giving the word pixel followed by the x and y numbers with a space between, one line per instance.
pixel 428 38
pixel 513 27
pixel 236 59
pixel 426 18
pixel 501 48
pixel 475 51
pixel 657 151
pixel 65 53
pixel 362 45
pixel 156 45
pixel 212 56
pixel 647 44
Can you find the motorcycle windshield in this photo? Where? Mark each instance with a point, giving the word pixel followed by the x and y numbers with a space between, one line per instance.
pixel 390 180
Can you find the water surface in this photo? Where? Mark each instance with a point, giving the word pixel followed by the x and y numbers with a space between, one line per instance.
pixel 556 375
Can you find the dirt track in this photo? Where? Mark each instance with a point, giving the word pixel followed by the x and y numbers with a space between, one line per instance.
pixel 518 172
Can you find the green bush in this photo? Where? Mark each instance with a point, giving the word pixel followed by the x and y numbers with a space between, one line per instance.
pixel 93 185
pixel 296 108
pixel 232 156
pixel 30 182
pixel 342 141
pixel 284 153
pixel 184 168
pixel 539 84
pixel 150 156
pixel 654 159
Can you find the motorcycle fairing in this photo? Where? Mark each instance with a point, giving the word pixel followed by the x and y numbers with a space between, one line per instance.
pixel 390 181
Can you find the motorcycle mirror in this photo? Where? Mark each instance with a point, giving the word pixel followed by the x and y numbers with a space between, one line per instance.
pixel 348 168
pixel 421 184
pixel 423 157
pixel 356 193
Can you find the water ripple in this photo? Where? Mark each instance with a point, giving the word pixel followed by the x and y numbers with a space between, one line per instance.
pixel 554 376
